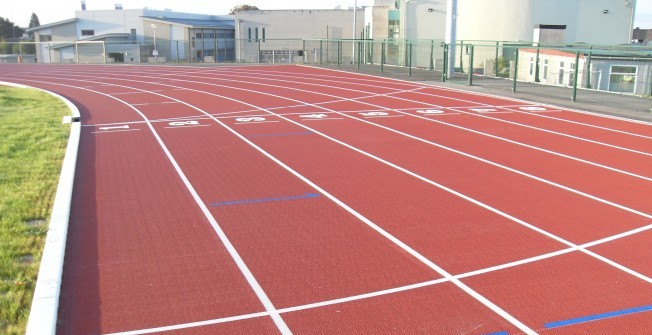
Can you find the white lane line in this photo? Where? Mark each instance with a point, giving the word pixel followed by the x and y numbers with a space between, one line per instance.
pixel 540 129
pixel 452 125
pixel 495 308
pixel 380 117
pixel 587 124
pixel 391 290
pixel 449 190
pixel 465 112
pixel 480 298
pixel 360 81
pixel 455 126
pixel 190 126
pixel 257 122
pixel 192 324
pixel 114 131
pixel 253 283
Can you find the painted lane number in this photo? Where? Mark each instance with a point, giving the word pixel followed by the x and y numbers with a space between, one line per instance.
pixel 184 123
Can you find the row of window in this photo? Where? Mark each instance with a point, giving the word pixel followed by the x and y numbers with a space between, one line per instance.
pixel 621 78
pixel 255 36
pixel 214 35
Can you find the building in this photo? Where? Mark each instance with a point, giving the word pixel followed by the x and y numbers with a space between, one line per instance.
pixel 599 70
pixel 587 21
pixel 283 36
pixel 135 36
pixel 642 36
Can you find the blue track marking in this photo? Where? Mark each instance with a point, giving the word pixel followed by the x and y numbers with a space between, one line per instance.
pixel 498 333
pixel 598 316
pixel 253 201
pixel 282 134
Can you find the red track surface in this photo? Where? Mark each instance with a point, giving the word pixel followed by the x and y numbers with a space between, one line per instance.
pixel 256 200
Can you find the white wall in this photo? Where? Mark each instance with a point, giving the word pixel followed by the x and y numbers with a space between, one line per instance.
pixel 110 22
pixel 423 19
pixel 514 20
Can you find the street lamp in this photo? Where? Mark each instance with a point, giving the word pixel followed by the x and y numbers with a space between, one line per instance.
pixel 155 52
pixel 355 7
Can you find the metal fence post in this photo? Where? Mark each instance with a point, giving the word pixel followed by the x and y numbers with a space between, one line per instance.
pixel 305 54
pixel 177 51
pixel 470 74
pixel 258 50
pixel 536 65
pixel 515 70
pixel 321 48
pixel 339 53
pixel 575 79
pixel 359 54
pixel 432 55
pixel 382 56
pixel 444 70
pixel 496 60
pixel 461 56
pixel 216 54
pixel 588 69
pixel 410 59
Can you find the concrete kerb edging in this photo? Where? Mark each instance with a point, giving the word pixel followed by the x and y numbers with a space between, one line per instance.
pixel 45 304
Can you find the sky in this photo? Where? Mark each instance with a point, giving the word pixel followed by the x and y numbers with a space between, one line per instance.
pixel 48 11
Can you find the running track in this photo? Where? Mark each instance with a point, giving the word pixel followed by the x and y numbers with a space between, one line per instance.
pixel 290 199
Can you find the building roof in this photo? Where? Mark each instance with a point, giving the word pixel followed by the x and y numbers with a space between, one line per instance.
pixel 50 25
pixel 193 23
pixel 93 38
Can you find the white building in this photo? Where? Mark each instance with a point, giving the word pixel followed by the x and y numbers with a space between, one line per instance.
pixel 278 35
pixel 587 21
pixel 132 35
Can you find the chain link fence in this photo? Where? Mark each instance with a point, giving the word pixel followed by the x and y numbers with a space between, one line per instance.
pixel 591 74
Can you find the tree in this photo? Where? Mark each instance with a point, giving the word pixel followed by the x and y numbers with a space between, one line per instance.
pixel 9 29
pixel 242 8
pixel 33 22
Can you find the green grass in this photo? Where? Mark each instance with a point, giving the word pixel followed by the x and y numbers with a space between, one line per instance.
pixel 32 146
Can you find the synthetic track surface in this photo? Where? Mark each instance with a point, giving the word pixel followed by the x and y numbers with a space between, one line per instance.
pixel 289 199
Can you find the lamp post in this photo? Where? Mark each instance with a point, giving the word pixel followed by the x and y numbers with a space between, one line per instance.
pixel 239 40
pixel 155 52
pixel 355 7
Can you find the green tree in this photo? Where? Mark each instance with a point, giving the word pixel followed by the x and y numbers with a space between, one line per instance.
pixel 9 29
pixel 33 22
pixel 242 8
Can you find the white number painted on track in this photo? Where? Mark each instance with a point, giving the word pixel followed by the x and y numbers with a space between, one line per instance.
pixel 250 119
pixel 314 116
pixel 115 128
pixel 483 110
pixel 184 123
pixel 532 108
pixel 374 114
pixel 430 111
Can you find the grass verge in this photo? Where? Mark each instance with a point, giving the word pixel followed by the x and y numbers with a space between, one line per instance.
pixel 32 145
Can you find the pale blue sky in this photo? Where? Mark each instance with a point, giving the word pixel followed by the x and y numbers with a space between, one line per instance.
pixel 48 11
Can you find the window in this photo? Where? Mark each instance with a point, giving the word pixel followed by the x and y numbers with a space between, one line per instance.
pixel 545 69
pixel 87 32
pixel 531 65
pixel 560 78
pixel 249 29
pixel 263 34
pixel 623 79
pixel 45 38
pixel 256 34
pixel 210 36
pixel 199 36
pixel 571 75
